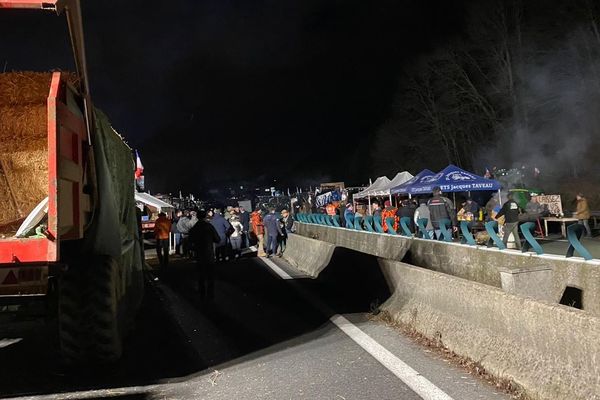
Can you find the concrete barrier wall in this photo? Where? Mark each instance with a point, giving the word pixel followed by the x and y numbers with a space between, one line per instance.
pixel 308 255
pixel 541 277
pixel 551 350
pixel 392 247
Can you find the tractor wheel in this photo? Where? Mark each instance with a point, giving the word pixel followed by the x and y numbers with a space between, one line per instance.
pixel 71 333
pixel 102 310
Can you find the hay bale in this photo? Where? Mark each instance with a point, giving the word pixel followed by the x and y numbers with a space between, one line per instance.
pixel 22 88
pixel 23 146
pixel 22 127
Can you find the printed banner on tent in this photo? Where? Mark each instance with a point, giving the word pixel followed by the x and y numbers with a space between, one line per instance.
pixel 453 179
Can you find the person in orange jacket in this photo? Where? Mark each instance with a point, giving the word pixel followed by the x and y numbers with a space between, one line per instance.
pixel 389 212
pixel 330 209
pixel 162 228
pixel 258 229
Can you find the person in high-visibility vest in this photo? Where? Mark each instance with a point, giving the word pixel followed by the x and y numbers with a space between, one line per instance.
pixel 330 209
pixel 389 212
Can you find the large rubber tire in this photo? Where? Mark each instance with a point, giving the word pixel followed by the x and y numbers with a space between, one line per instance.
pixel 71 332
pixel 89 313
pixel 102 311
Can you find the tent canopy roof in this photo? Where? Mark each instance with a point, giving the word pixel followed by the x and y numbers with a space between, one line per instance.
pixel 379 184
pixel 399 179
pixel 453 179
pixel 153 201
pixel 403 187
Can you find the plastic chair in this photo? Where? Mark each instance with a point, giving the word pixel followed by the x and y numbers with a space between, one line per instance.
pixel 539 230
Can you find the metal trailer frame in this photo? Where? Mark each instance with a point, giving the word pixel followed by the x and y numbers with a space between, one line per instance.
pixel 24 262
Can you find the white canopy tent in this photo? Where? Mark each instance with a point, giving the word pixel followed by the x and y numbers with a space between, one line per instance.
pixel 153 202
pixel 379 184
pixel 383 186
pixel 398 180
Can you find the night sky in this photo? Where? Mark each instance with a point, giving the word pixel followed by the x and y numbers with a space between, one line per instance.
pixel 226 92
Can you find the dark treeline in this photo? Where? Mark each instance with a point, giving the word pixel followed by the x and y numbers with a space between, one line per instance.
pixel 519 85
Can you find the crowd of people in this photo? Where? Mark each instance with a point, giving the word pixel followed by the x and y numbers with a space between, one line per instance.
pixel 210 236
pixel 438 208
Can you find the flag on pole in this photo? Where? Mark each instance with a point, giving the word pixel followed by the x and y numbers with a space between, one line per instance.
pixel 139 172
pixel 139 168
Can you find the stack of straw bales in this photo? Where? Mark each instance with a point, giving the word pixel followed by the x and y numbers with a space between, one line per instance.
pixel 23 146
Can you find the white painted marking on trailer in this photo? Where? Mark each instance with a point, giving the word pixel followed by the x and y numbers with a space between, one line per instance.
pixel 413 379
pixel 282 274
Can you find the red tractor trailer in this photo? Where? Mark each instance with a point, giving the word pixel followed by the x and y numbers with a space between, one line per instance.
pixel 69 231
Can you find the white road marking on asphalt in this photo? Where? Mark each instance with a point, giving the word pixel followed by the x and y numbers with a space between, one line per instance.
pixel 413 379
pixel 282 274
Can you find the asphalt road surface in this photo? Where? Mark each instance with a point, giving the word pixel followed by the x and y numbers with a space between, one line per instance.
pixel 270 333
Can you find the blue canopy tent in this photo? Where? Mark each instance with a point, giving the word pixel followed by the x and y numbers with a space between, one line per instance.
pixel 453 179
pixel 403 188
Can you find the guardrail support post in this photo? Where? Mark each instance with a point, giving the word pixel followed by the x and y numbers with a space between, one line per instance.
pixel 466 232
pixel 492 229
pixel 574 233
pixel 446 233
pixel 527 229
pixel 404 221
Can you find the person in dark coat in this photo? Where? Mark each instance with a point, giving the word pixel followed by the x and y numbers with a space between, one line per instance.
pixel 441 207
pixel 510 211
pixel 273 228
pixel 203 237
pixel 245 220
pixel 407 209
pixel 223 228
pixel 287 225
pixel 375 208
